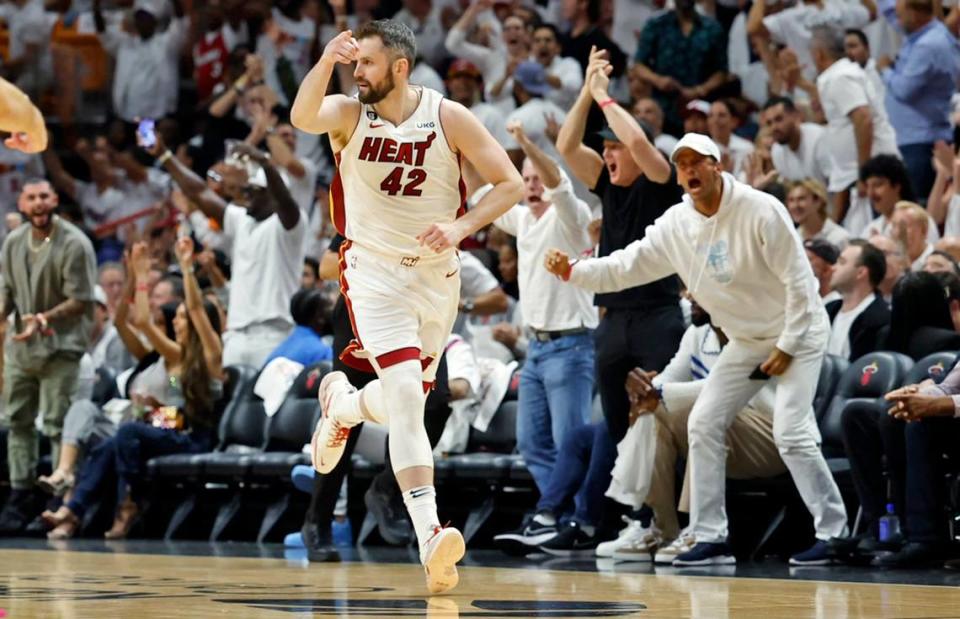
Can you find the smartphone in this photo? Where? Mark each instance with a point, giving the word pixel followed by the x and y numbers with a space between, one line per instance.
pixel 758 374
pixel 147 131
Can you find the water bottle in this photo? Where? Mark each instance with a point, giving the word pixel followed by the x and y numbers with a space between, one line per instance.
pixel 889 525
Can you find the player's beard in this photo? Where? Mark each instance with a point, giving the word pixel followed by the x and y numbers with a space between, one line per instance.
pixel 377 93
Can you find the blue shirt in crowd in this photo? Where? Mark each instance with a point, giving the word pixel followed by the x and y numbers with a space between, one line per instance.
pixel 304 346
pixel 920 84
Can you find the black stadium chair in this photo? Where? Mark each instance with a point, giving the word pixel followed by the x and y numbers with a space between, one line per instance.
pixel 935 366
pixel 867 379
pixel 186 470
pixel 290 428
pixel 105 388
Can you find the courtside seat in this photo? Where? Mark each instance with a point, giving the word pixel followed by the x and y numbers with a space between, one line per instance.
pixel 935 367
pixel 867 379
pixel 482 459
pixel 830 373
pixel 291 427
pixel 239 381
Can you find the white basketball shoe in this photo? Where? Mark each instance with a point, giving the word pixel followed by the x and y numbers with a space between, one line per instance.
pixel 440 555
pixel 330 438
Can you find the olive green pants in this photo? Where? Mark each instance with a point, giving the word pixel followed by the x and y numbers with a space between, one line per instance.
pixel 28 391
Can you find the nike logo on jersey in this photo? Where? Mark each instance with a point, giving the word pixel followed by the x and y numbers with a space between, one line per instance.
pixel 375 125
pixel 451 273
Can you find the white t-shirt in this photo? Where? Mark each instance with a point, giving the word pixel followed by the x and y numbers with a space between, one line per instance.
pixel 147 74
pixel 951 226
pixel 840 329
pixel 425 75
pixel 739 149
pixel 429 32
pixel 492 62
pixel 834 233
pixel 843 88
pixel 267 264
pixel 30 24
pixel 792 26
pixel 548 303
pixel 570 73
pixel 810 160
pixel 475 280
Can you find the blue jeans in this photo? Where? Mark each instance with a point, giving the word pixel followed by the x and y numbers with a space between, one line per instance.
pixel 556 391
pixel 119 460
pixel 916 158
pixel 583 472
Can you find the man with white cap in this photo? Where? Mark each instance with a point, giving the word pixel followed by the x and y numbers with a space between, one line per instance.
pixel 740 255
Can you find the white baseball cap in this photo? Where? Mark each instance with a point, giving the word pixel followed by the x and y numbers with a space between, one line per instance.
pixel 99 295
pixel 696 142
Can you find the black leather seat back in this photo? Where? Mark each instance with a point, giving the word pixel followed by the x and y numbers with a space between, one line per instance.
pixel 935 367
pixel 831 372
pixel 243 421
pixel 501 434
pixel 868 378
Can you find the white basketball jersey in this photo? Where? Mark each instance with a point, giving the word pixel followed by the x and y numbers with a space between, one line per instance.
pixel 392 182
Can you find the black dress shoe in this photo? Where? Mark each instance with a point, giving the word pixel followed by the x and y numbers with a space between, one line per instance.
pixel 913 554
pixel 858 549
pixel 21 508
pixel 319 544
pixel 388 510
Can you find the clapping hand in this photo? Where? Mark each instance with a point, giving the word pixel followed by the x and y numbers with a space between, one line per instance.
pixel 184 251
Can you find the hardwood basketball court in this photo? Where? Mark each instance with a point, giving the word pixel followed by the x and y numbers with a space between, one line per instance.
pixel 153 579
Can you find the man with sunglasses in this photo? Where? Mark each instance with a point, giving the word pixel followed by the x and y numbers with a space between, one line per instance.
pixel 266 236
pixel 739 254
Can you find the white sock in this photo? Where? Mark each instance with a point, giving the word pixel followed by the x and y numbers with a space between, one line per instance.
pixel 546 519
pixel 421 504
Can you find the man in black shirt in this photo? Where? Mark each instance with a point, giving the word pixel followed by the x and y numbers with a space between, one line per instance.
pixel 642 326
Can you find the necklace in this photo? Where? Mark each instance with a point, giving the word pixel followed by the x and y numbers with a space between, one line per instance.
pixel 43 243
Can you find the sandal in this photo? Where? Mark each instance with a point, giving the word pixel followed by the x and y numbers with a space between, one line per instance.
pixel 54 484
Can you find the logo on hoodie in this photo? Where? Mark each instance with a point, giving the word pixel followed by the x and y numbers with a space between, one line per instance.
pixel 718 263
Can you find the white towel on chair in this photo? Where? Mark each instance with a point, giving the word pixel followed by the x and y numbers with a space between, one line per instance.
pixel 630 480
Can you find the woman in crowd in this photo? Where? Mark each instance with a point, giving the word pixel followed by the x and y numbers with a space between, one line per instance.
pixel 807 203
pixel 920 321
pixel 181 418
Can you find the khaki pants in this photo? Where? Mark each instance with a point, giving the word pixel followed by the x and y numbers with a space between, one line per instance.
pixel 751 453
pixel 27 391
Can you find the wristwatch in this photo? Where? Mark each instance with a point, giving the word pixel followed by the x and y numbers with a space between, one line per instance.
pixel 468 305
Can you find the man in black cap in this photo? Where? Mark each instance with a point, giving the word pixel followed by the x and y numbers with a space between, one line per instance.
pixel 642 326
pixel 823 255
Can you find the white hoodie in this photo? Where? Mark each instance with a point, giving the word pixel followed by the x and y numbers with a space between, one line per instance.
pixel 746 266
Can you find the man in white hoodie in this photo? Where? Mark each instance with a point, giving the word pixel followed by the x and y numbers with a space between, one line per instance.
pixel 740 256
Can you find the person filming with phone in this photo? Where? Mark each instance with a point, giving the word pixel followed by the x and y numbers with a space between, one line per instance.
pixel 266 236
pixel 740 256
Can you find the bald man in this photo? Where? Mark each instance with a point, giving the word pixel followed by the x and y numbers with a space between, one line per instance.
pixel 909 228
pixel 21 119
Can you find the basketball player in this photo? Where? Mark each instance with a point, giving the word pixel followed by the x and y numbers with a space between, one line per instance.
pixel 21 119
pixel 741 257
pixel 396 197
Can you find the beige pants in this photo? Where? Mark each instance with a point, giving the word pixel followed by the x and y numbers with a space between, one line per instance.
pixel 751 453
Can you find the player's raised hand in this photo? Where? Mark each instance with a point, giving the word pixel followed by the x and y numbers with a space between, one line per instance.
pixel 440 237
pixel 342 48
pixel 558 263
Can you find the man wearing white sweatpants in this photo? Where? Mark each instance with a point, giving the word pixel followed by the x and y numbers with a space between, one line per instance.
pixel 740 256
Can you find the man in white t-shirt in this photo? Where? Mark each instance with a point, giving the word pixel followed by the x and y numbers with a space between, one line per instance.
pixel 556 382
pixel 285 46
pixel 423 17
pixel 857 317
pixel 798 152
pixel 147 73
pixel 857 125
pixel 480 294
pixel 564 75
pixel 792 27
pixel 29 62
pixel 267 252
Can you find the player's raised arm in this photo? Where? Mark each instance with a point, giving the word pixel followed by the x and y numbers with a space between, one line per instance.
pixel 468 136
pixel 312 110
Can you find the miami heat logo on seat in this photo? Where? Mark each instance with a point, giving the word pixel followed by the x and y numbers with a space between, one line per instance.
pixel 935 371
pixel 868 372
